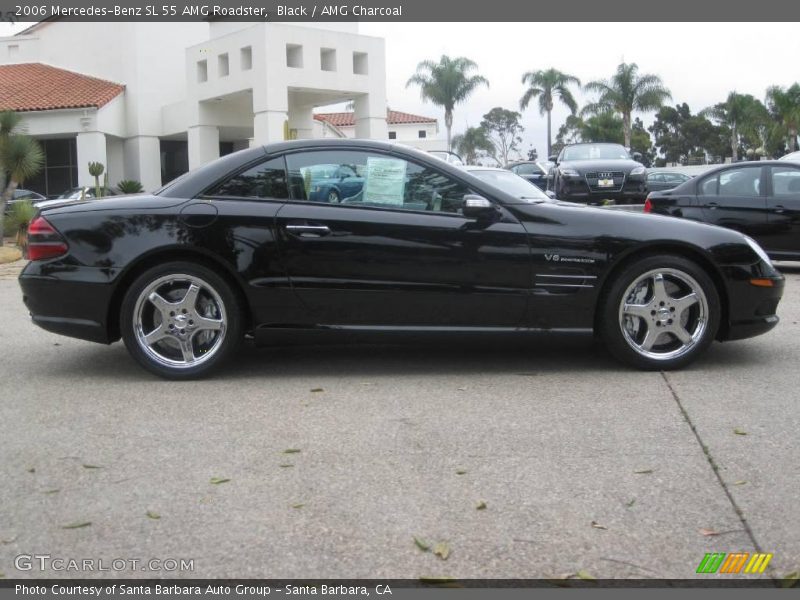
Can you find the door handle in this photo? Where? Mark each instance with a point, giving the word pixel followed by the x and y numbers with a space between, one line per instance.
pixel 308 230
pixel 780 208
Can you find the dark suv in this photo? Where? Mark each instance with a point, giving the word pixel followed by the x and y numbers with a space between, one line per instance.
pixel 594 173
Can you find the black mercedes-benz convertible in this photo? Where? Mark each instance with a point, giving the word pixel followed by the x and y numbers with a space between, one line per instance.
pixel 247 245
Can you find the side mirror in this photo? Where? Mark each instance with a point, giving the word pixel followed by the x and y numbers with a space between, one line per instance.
pixel 551 194
pixel 477 207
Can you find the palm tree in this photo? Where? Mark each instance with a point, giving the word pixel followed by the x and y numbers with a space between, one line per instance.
pixel 625 92
pixel 785 108
pixel 545 85
pixel 472 143
pixel 740 113
pixel 20 158
pixel 446 84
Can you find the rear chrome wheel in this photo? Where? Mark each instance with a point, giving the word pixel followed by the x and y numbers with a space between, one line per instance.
pixel 663 314
pixel 180 319
pixel 660 312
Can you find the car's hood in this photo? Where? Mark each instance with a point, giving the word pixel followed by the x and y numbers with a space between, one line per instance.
pixel 585 166
pixel 132 202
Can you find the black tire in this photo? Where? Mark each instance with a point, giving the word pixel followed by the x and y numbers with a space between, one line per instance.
pixel 625 330
pixel 209 324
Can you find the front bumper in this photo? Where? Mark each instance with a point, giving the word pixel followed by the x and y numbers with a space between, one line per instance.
pixel 752 309
pixel 578 189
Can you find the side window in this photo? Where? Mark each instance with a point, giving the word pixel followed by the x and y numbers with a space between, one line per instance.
pixel 785 181
pixel 359 178
pixel 740 182
pixel 708 187
pixel 656 177
pixel 526 169
pixel 265 180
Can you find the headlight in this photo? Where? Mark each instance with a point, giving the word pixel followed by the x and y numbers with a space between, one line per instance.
pixel 638 171
pixel 569 173
pixel 758 250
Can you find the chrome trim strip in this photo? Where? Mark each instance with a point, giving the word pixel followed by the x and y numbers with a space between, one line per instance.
pixel 570 285
pixel 569 276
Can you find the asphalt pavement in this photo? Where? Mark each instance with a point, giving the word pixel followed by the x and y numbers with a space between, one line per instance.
pixel 527 460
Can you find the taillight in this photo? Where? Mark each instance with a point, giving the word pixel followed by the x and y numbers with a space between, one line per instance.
pixel 44 241
pixel 648 205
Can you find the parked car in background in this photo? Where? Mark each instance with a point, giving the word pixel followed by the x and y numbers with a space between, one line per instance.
pixel 509 182
pixel 21 195
pixel 760 199
pixel 593 173
pixel 793 156
pixel 665 180
pixel 238 247
pixel 75 195
pixel 532 171
pixel 332 183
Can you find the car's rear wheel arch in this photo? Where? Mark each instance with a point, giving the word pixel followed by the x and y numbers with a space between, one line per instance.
pixel 171 255
pixel 696 256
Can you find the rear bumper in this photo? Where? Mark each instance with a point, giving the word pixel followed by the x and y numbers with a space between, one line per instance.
pixel 67 307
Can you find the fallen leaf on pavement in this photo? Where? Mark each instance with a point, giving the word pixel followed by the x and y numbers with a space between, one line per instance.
pixel 292 451
pixel 316 390
pixel 422 544
pixel 32 470
pixel 708 532
pixel 442 550
pixel 55 491
pixel 740 482
pixel 152 515
pixel 585 575
pixel 298 505
pixel 739 431
pixel 218 480
pixel 77 525
pixel 11 541
pixel 630 502
pixel 461 472
pixel 286 466
pixel 92 467
pixel 481 505
pixel 597 525
pixel 643 471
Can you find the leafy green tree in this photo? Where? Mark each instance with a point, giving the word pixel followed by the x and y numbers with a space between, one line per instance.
pixel 446 84
pixel 21 158
pixel 681 136
pixel 784 106
pixel 472 144
pixel 504 131
pixel 741 114
pixel 603 127
pixel 547 86
pixel 568 133
pixel 626 92
pixel 641 143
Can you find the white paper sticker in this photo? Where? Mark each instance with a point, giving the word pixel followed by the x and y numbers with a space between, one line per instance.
pixel 386 181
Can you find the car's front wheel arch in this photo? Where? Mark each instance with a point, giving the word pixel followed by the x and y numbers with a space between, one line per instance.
pixel 696 256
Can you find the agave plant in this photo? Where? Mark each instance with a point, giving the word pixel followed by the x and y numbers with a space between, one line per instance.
pixel 18 219
pixel 21 157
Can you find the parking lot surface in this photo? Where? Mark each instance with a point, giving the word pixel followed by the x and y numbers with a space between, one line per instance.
pixel 527 460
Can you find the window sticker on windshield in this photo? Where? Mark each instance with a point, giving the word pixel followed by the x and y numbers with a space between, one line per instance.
pixel 386 181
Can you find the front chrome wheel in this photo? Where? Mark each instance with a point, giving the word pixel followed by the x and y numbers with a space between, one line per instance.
pixel 663 314
pixel 179 321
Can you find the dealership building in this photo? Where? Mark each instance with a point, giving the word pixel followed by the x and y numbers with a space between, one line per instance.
pixel 152 100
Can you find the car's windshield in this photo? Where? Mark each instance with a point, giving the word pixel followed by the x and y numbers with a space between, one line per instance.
pixel 510 183
pixel 595 151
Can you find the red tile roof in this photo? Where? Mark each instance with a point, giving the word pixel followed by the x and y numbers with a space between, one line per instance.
pixel 393 117
pixel 34 86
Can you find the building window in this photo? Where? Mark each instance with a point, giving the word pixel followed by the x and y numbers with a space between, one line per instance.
pixel 294 56
pixel 422 133
pixel 60 170
pixel 246 58
pixel 360 63
pixel 327 59
pixel 223 66
pixel 392 135
pixel 202 71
